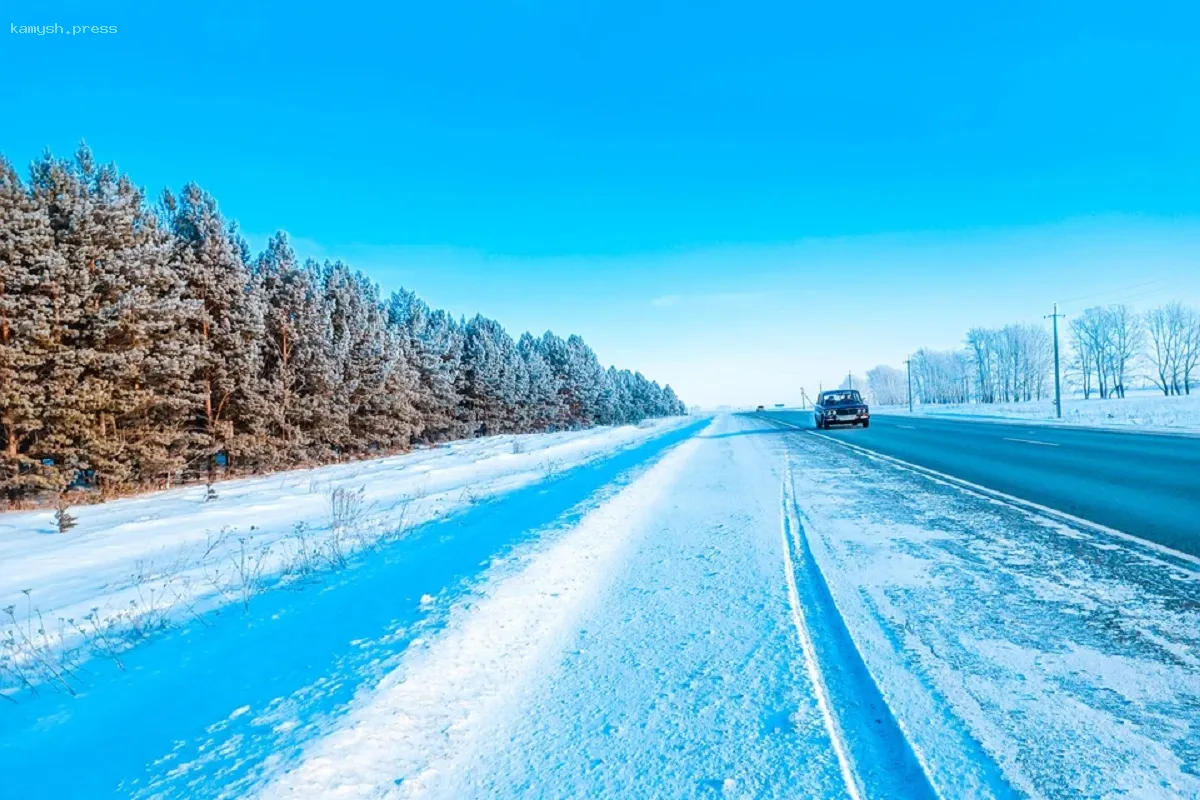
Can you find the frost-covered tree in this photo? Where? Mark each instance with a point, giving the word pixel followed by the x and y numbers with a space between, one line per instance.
pixel 375 383
pixel 226 327
pixel 30 268
pixel 117 360
pixel 888 385
pixel 489 377
pixel 299 374
pixel 433 341
pixel 541 401
pixel 1174 333
pixel 142 346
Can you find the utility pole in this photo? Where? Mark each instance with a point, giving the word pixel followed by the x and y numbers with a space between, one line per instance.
pixel 849 380
pixel 908 372
pixel 1057 383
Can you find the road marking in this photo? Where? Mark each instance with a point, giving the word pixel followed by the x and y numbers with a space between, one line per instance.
pixel 907 427
pixel 1016 502
pixel 1007 499
pixel 1031 441
pixel 810 653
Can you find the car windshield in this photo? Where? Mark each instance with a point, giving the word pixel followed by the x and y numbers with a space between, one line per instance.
pixel 841 398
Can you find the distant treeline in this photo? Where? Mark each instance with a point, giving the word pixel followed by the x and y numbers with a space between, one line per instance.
pixel 1103 349
pixel 144 346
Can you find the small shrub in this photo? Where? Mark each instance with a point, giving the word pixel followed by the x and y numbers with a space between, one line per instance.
pixel 62 516
pixel 347 508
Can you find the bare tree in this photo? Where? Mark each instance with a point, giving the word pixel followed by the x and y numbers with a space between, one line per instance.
pixel 887 385
pixel 941 376
pixel 984 349
pixel 1107 342
pixel 1126 339
pixel 1189 347
pixel 1166 326
pixel 1012 363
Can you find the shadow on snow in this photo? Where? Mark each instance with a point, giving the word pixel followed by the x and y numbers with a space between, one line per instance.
pixel 199 710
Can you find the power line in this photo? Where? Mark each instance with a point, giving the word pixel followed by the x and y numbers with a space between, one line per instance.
pixel 1093 295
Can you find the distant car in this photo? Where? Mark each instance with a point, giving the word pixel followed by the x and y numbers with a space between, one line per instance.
pixel 760 408
pixel 841 407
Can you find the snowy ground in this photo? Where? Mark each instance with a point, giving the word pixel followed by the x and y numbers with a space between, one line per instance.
pixel 1072 657
pixel 133 566
pixel 646 651
pixel 1143 410
pixel 732 609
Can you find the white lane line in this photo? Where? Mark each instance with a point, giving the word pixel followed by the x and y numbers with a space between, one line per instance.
pixel 812 666
pixel 994 496
pixel 907 427
pixel 1030 441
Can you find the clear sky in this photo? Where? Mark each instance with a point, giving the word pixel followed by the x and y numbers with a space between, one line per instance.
pixel 737 198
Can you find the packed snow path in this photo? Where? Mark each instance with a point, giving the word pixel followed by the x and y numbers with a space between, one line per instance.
pixel 736 609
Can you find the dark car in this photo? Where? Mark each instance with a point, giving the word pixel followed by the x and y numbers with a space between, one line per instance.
pixel 841 407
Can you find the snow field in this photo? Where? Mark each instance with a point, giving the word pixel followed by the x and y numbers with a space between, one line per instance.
pixel 1138 410
pixel 682 676
pixel 411 729
pixel 754 611
pixel 1066 656
pixel 137 565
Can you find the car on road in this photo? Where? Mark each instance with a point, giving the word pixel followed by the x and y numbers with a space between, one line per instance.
pixel 841 407
pixel 760 408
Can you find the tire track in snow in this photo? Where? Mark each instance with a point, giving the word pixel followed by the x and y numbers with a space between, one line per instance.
pixel 875 757
pixel 419 722
pixel 840 749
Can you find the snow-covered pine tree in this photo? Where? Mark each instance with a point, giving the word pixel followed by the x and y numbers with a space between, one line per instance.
pixel 115 361
pixel 587 380
pixel 141 335
pixel 487 382
pixel 433 341
pixel 376 384
pixel 541 403
pixel 622 402
pixel 60 300
pixel 226 328
pixel 28 261
pixel 558 358
pixel 134 348
pixel 298 374
pixel 673 406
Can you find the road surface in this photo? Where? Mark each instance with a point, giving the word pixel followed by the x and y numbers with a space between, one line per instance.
pixel 733 609
pixel 1144 484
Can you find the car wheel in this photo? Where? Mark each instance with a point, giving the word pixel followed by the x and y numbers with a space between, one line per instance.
pixel 867 424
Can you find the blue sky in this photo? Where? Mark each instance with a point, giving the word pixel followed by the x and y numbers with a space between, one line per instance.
pixel 738 198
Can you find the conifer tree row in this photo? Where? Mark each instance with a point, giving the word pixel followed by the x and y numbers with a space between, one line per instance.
pixel 142 346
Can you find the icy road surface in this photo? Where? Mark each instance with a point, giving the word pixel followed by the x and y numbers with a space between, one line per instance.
pixel 732 609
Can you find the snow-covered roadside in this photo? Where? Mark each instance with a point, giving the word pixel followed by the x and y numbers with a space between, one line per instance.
pixel 134 565
pixel 1071 656
pixel 410 729
pixel 1142 410
pixel 683 676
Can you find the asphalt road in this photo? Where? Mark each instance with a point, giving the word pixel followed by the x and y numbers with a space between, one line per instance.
pixel 1146 485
